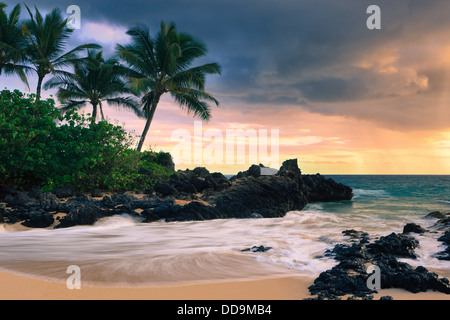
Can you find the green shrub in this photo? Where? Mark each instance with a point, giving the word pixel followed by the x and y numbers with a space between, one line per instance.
pixel 25 129
pixel 84 154
pixel 37 151
pixel 134 171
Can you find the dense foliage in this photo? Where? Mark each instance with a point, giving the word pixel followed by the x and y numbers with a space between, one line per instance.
pixel 40 147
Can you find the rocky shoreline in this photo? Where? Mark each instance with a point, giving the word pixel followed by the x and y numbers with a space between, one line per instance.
pixel 187 196
pixel 196 195
pixel 349 277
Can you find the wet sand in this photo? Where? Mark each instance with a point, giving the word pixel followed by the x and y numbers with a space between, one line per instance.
pixel 18 287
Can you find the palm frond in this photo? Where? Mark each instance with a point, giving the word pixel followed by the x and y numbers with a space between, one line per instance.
pixel 137 61
pixel 72 104
pixel 192 104
pixel 14 16
pixel 70 93
pixel 191 49
pixel 197 94
pixel 71 57
pixel 195 77
pixel 140 85
pixel 143 42
pixel 20 70
pixel 127 103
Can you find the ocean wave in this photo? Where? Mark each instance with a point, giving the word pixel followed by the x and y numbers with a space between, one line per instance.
pixel 313 217
pixel 120 249
pixel 371 193
pixel 117 221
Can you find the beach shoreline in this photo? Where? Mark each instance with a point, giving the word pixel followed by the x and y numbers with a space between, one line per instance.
pixel 19 287
pixel 157 256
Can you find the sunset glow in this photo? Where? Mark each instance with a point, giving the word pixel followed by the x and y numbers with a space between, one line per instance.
pixel 345 99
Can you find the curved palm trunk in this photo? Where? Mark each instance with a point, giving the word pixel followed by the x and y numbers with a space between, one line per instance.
pixel 147 124
pixel 39 87
pixel 94 113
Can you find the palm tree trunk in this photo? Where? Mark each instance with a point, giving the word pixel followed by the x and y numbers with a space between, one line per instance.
pixel 94 113
pixel 39 87
pixel 147 124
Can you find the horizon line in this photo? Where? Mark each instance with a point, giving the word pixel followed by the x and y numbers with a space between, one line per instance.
pixel 365 174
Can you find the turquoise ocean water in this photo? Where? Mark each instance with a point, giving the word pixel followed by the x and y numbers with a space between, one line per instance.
pixel 392 195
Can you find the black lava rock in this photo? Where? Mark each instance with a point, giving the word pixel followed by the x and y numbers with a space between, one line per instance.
pixel 21 199
pixel 49 202
pixel 338 282
pixel 164 189
pixel 64 191
pixel 397 245
pixel 444 255
pixel 257 249
pixel 193 211
pixel 412 227
pixel 39 219
pixel 350 275
pixel 85 214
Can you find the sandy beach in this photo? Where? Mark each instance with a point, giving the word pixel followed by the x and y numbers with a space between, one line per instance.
pixel 18 287
pixel 281 286
pixel 15 287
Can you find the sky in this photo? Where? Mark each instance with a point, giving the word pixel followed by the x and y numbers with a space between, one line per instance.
pixel 344 99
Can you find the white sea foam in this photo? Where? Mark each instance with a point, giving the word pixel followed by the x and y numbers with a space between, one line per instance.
pixel 120 249
pixel 428 247
pixel 371 193
pixel 117 221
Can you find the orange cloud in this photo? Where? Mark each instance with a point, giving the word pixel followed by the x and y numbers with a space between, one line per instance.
pixel 324 144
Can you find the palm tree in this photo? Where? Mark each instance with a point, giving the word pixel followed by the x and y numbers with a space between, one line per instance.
pixel 11 42
pixel 94 81
pixel 163 65
pixel 46 40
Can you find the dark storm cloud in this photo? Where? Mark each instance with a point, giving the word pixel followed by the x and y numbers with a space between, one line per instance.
pixel 302 53
pixel 332 89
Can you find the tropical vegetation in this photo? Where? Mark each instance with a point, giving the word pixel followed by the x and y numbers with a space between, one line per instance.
pixel 48 146
pixel 36 151
pixel 94 80
pixel 11 43
pixel 163 64
pixel 45 41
